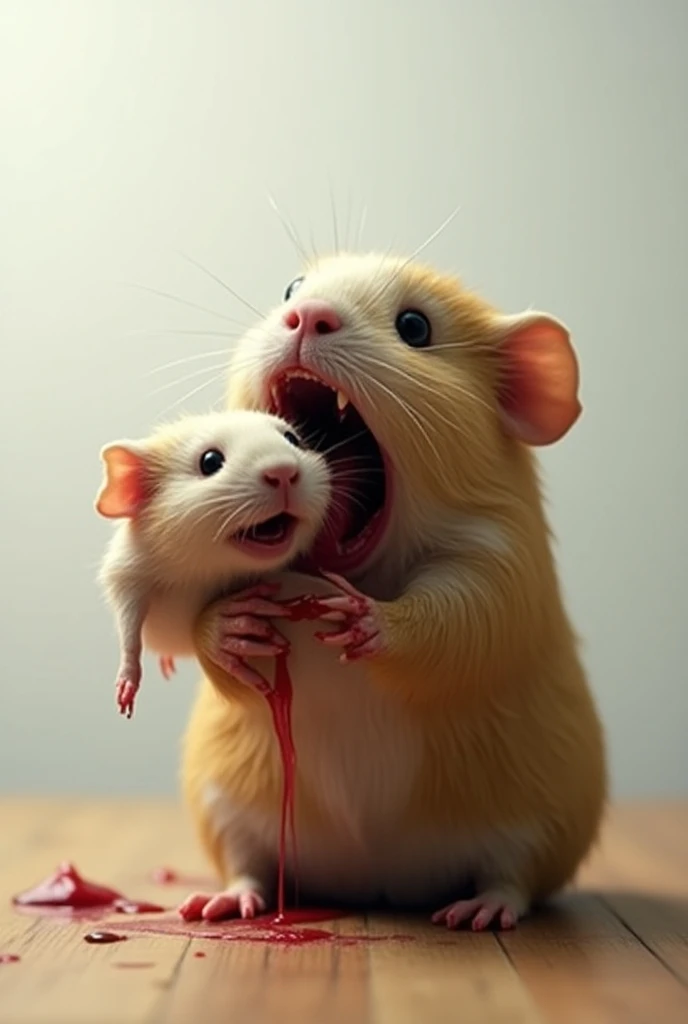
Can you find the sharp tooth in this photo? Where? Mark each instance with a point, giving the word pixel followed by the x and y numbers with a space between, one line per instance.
pixel 342 401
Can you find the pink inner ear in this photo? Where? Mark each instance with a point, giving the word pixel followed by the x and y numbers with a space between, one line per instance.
pixel 539 394
pixel 124 491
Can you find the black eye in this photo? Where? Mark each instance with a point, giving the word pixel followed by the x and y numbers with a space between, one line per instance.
pixel 291 288
pixel 413 328
pixel 211 462
pixel 291 437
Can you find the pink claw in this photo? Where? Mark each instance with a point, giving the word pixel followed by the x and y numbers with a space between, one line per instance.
pixel 126 696
pixel 237 667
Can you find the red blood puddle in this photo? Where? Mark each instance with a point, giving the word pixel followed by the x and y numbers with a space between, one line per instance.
pixel 67 893
pixel 278 929
pixel 104 938
pixel 66 888
pixel 9 958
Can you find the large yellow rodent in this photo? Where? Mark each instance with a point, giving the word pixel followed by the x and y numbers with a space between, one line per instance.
pixel 464 745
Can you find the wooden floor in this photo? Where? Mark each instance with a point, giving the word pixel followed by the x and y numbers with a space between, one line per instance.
pixel 615 951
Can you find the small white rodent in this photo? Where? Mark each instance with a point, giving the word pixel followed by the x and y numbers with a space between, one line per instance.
pixel 207 504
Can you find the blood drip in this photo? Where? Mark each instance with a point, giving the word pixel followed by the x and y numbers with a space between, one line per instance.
pixel 67 890
pixel 306 608
pixel 9 958
pixel 104 938
pixel 200 955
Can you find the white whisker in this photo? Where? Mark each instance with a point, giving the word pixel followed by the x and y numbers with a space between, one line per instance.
pixel 223 284
pixel 189 376
pixel 431 238
pixel 417 382
pixel 411 413
pixel 290 230
pixel 228 520
pixel 190 394
pixel 163 331
pixel 185 359
pixel 361 226
pixel 182 302
pixel 335 228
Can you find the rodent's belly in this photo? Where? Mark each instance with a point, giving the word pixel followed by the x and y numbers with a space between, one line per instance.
pixel 358 755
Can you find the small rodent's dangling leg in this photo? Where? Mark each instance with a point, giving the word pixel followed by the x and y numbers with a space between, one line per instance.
pixel 363 633
pixel 242 630
pixel 502 906
pixel 167 665
pixel 243 898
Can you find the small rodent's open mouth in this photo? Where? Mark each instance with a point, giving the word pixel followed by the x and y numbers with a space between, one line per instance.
pixel 269 538
pixel 329 423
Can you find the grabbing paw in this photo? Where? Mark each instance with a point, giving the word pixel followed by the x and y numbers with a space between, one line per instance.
pixel 242 630
pixel 362 635
pixel 127 686
pixel 167 666
pixel 502 907
pixel 241 899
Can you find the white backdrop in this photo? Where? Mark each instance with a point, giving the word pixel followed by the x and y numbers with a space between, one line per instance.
pixel 131 130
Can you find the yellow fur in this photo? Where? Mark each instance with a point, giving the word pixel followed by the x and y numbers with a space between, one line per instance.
pixel 482 662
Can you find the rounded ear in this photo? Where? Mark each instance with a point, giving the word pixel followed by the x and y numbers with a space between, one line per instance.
pixel 123 491
pixel 538 388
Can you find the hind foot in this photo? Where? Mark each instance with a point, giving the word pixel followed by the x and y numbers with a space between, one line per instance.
pixel 503 907
pixel 244 899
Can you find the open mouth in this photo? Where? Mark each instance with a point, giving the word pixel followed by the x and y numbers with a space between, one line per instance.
pixel 329 423
pixel 269 538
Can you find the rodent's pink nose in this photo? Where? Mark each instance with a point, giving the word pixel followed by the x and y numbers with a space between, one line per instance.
pixel 311 318
pixel 281 476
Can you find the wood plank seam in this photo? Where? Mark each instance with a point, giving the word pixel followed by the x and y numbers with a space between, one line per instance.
pixel 642 942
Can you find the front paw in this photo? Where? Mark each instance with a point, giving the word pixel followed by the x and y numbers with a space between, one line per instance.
pixel 363 632
pixel 242 629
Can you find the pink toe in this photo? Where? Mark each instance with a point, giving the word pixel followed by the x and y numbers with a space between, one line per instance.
pixel 192 907
pixel 219 907
pixel 250 904
pixel 507 919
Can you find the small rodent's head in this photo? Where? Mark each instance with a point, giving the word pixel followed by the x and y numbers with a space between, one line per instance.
pixel 235 490
pixel 419 393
